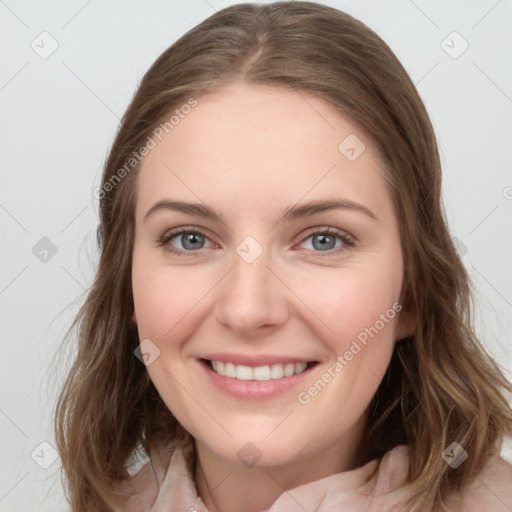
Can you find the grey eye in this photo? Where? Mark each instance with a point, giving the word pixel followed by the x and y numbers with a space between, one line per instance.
pixel 323 242
pixel 191 241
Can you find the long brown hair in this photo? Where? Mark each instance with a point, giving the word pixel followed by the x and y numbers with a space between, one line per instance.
pixel 440 386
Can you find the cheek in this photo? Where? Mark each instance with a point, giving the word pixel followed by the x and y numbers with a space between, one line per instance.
pixel 348 301
pixel 165 299
pixel 359 311
pixel 163 296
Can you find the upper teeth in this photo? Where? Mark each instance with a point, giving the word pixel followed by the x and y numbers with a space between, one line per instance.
pixel 268 372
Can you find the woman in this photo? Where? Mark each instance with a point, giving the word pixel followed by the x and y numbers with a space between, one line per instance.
pixel 279 319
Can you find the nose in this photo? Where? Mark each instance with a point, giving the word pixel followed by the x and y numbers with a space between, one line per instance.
pixel 251 299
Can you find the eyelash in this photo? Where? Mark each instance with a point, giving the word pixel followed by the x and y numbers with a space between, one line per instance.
pixel 347 240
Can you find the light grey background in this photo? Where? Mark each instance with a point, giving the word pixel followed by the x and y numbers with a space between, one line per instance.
pixel 58 118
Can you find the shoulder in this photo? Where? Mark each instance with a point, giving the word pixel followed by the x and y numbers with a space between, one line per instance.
pixel 491 490
pixel 164 483
pixel 139 492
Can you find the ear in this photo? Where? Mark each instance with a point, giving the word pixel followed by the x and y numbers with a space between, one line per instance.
pixel 407 324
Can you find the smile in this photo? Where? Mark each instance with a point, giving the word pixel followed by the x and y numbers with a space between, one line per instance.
pixel 256 381
pixel 266 372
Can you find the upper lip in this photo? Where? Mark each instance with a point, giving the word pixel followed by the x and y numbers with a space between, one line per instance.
pixel 255 360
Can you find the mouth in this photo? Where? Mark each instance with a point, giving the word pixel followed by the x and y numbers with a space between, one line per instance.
pixel 269 372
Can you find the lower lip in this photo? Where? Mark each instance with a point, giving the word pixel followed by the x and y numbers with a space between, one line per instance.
pixel 254 389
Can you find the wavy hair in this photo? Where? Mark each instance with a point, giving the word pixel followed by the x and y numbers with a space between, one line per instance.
pixel 440 386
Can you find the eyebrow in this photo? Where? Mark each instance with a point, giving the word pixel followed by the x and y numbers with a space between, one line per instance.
pixel 289 214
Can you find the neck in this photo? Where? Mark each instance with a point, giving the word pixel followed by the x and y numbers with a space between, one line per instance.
pixel 227 486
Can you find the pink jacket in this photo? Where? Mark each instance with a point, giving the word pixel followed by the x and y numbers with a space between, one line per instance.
pixel 169 487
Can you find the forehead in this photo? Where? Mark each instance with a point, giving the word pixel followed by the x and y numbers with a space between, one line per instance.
pixel 246 143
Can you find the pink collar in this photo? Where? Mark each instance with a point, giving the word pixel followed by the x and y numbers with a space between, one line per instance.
pixel 168 485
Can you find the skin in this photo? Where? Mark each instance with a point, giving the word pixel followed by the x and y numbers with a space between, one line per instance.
pixel 249 152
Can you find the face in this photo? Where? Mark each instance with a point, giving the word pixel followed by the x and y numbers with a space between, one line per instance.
pixel 268 251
